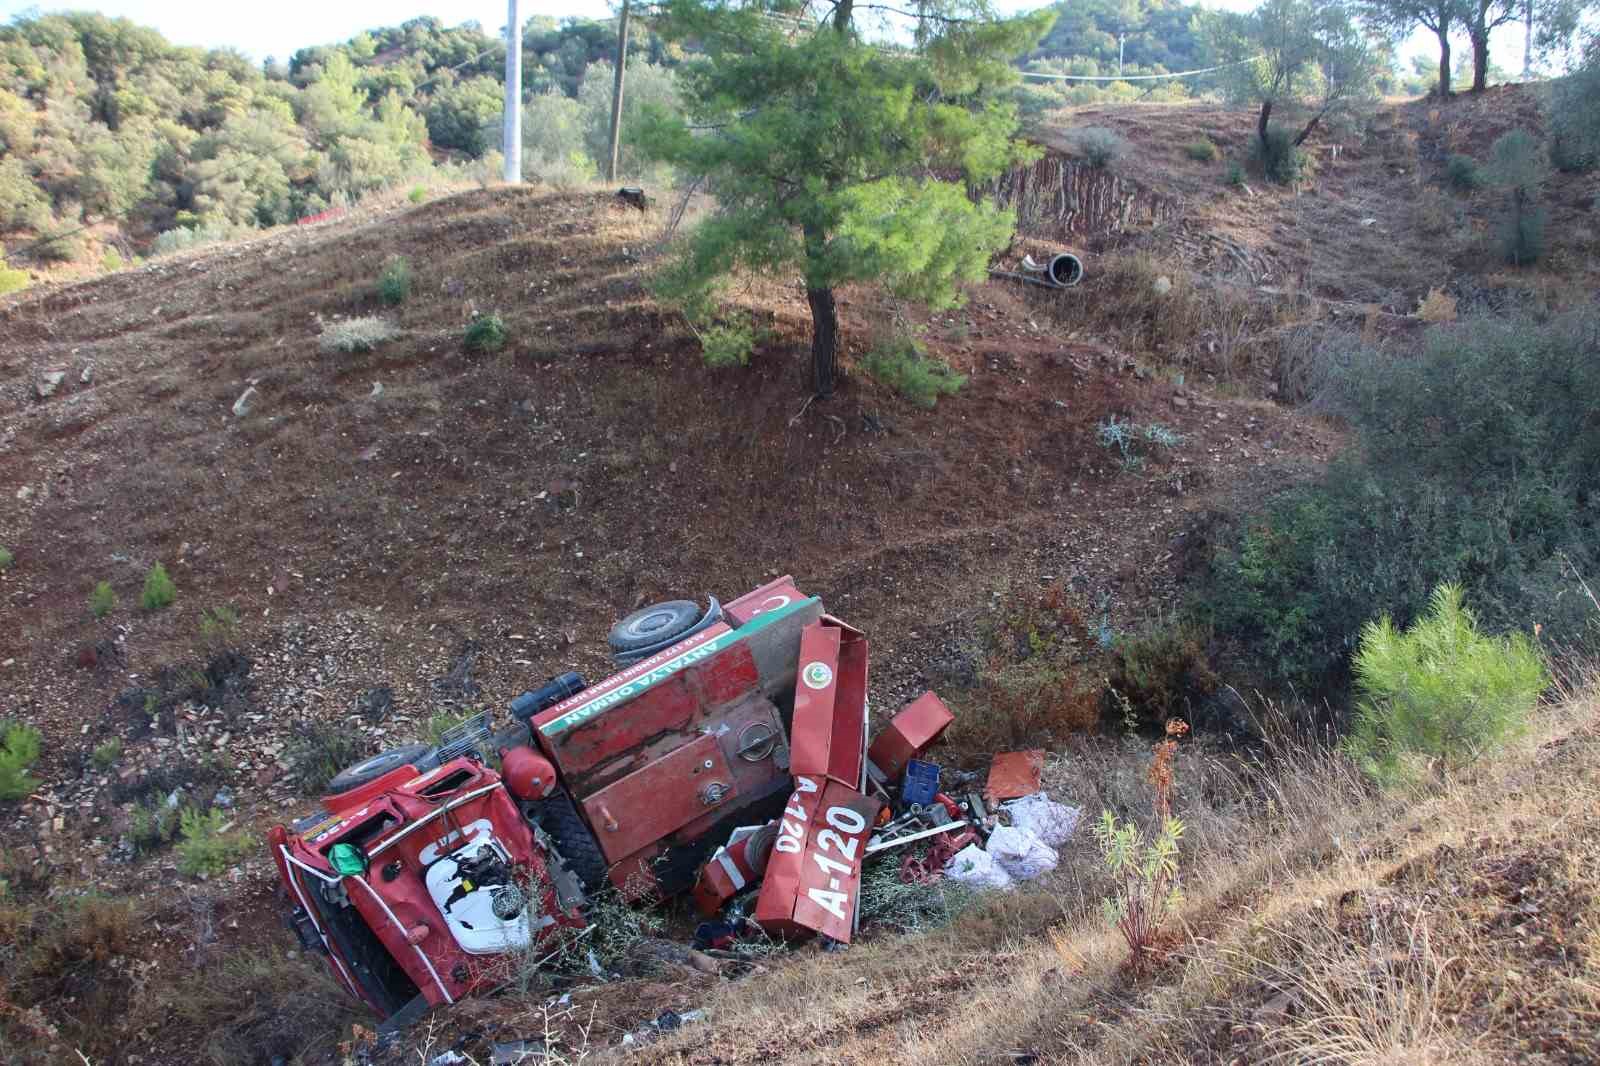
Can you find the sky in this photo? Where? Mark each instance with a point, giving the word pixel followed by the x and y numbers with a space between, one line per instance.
pixel 283 26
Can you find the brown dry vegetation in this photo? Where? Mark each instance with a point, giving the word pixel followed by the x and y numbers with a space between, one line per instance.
pixel 1322 924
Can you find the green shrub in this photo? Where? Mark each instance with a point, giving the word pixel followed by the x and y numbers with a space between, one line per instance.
pixel 1279 158
pixel 1474 463
pixel 6 559
pixel 904 366
pixel 1145 875
pixel 1201 151
pixel 486 333
pixel 1440 691
pixel 1161 673
pixel 152 826
pixel 1235 176
pixel 1522 234
pixel 219 626
pixel 727 343
pixel 111 261
pixel 184 238
pixel 1517 163
pixel 103 600
pixel 441 722
pixel 1098 146
pixel 417 194
pixel 1133 439
pixel 19 751
pixel 1462 173
pixel 205 847
pixel 352 335
pixel 106 754
pixel 12 280
pixel 394 284
pixel 1574 115
pixel 159 591
pixel 63 246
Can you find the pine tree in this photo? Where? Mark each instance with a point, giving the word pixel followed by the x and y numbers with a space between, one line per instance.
pixel 839 158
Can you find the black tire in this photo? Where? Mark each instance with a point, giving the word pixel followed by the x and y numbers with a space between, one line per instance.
pixel 653 625
pixel 578 847
pixel 375 767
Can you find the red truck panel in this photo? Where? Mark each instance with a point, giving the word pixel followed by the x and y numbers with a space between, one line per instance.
pixel 813 878
pixel 772 596
pixel 653 801
pixel 828 735
pixel 909 733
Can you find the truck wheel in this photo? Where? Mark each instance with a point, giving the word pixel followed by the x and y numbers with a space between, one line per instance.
pixel 375 767
pixel 578 847
pixel 653 625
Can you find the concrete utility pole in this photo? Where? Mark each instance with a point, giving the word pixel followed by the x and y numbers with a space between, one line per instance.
pixel 512 140
pixel 616 94
pixel 1527 42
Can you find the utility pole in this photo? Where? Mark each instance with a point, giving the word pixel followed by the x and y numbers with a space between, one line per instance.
pixel 616 93
pixel 512 139
pixel 1527 42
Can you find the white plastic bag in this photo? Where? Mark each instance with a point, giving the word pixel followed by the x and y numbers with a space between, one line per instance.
pixel 976 867
pixel 1020 853
pixel 1052 822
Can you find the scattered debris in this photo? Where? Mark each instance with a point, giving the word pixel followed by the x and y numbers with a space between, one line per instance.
pixel 1061 271
pixel 1014 774
pixel 48 383
pixel 245 402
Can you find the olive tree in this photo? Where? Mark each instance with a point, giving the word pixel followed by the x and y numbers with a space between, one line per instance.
pixel 1297 57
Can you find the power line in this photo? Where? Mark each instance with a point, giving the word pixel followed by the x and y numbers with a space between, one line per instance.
pixel 1140 77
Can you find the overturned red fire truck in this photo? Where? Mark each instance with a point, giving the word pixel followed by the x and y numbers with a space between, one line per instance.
pixel 728 757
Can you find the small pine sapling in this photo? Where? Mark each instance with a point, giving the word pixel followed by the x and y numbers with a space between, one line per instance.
pixel 1439 693
pixel 159 591
pixel 206 847
pixel 19 751
pixel 103 600
pixel 487 333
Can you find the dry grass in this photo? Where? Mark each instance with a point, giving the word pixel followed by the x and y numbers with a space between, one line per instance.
pixel 1323 923
pixel 258 1006
pixel 1151 305
pixel 352 335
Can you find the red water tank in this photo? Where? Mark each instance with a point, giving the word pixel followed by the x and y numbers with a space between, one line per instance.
pixel 529 775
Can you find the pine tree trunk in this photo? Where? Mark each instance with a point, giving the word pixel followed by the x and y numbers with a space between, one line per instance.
pixel 824 340
pixel 1480 61
pixel 1444 65
pixel 1261 125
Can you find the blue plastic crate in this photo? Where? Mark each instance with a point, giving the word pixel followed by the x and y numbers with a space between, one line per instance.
pixel 921 783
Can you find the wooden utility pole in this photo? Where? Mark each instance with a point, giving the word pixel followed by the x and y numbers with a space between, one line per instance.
pixel 616 93
pixel 512 138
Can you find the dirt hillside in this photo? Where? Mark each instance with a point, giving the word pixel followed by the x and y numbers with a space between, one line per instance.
pixel 420 528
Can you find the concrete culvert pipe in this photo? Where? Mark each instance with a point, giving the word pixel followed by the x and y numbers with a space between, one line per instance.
pixel 1064 270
